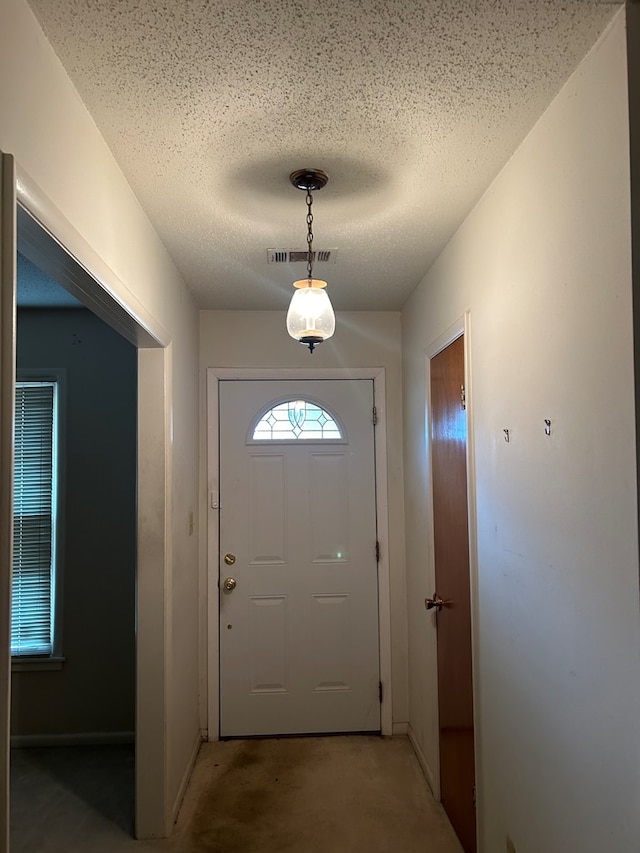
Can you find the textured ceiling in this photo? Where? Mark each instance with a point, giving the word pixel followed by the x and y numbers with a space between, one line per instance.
pixel 37 290
pixel 411 106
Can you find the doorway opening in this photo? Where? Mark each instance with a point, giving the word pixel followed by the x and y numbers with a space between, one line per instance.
pixel 73 703
pixel 215 377
pixel 69 260
pixel 450 605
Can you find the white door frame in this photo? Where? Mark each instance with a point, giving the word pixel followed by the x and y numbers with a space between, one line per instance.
pixel 214 375
pixel 7 391
pixel 86 275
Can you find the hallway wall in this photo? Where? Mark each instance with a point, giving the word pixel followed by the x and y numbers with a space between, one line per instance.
pixel 543 265
pixel 56 143
pixel 363 339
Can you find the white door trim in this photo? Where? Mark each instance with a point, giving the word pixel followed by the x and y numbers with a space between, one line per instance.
pixel 214 375
pixel 92 282
pixel 7 391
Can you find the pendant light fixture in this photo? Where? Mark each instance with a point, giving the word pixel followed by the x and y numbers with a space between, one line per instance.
pixel 310 318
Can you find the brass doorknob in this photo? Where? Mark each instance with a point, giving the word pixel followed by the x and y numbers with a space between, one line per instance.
pixel 229 559
pixel 229 584
pixel 436 602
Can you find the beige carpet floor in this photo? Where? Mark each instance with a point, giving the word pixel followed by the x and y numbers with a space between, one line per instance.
pixel 360 794
pixel 313 795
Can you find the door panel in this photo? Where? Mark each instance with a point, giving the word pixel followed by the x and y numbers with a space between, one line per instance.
pixel 299 632
pixel 267 494
pixel 267 628
pixel 451 544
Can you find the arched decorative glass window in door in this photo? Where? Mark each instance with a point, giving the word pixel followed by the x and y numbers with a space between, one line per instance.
pixel 297 419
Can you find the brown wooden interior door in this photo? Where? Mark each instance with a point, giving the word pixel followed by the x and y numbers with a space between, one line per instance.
pixel 453 619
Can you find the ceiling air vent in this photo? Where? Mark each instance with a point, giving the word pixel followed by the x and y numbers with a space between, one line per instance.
pixel 292 256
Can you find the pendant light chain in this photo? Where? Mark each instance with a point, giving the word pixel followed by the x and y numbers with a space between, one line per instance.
pixel 310 318
pixel 309 235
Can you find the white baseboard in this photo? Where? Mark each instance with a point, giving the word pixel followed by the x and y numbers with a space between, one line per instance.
pixel 400 728
pixel 424 764
pixel 201 736
pixel 72 739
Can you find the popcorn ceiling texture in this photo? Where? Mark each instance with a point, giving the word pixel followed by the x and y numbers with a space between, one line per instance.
pixel 410 106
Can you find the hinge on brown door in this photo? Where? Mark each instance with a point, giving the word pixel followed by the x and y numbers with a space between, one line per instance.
pixel 377 552
pixel 463 398
pixel 375 416
pixel 474 796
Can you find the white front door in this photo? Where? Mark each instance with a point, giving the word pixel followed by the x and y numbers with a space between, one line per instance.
pixel 299 628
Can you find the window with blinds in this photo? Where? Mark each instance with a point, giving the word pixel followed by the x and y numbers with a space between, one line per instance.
pixel 34 528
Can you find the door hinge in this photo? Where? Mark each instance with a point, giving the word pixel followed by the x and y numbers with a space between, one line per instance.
pixel 463 398
pixel 375 416
pixel 380 691
pixel 377 552
pixel 474 796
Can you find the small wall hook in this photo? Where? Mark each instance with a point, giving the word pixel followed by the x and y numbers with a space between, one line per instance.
pixel 547 426
pixel 507 435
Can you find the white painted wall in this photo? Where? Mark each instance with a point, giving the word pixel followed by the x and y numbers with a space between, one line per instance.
pixel 252 339
pixel 55 141
pixel 543 263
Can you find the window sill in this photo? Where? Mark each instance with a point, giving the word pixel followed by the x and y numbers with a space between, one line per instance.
pixel 36 664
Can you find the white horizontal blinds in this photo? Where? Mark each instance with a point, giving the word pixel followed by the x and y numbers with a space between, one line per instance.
pixel 33 531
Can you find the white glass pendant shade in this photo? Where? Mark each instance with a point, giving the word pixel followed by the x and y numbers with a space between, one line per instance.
pixel 310 318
